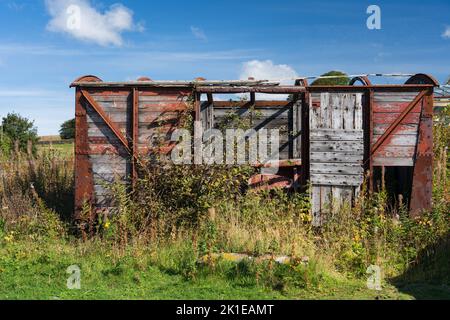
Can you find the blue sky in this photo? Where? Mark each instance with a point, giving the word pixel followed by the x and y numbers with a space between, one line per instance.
pixel 40 57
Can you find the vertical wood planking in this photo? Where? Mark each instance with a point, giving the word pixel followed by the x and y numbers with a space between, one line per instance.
pixel 337 146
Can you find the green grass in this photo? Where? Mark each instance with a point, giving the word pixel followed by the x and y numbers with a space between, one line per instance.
pixel 30 270
pixel 64 150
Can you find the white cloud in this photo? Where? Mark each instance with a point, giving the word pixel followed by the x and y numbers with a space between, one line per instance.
pixel 267 70
pixel 82 21
pixel 199 33
pixel 446 33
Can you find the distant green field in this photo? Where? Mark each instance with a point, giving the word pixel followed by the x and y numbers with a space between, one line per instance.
pixel 65 149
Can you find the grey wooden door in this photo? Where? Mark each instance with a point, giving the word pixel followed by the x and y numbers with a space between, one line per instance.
pixel 336 151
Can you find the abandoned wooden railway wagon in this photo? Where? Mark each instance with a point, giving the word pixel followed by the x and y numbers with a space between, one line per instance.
pixel 333 138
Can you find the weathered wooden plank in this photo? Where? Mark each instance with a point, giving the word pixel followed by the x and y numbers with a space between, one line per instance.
pixel 396 107
pixel 336 146
pixel 348 112
pixel 103 99
pixel 325 199
pixel 108 159
pixel 336 180
pixel 412 129
pixel 97 130
pixel 342 197
pixel 316 207
pixel 396 152
pixel 314 111
pixel 338 104
pixel 347 194
pixel 162 107
pixel 107 167
pixel 398 140
pixel 358 113
pixel 394 96
pixel 336 168
pixel 351 157
pixel 339 135
pixel 143 99
pixel 324 120
pixel 94 117
pixel 336 194
pixel 393 162
pixel 388 118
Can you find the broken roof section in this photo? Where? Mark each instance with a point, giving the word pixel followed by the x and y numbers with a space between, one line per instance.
pixel 92 81
pixel 250 85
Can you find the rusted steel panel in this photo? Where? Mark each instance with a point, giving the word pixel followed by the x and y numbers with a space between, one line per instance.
pixel 421 196
pixel 83 173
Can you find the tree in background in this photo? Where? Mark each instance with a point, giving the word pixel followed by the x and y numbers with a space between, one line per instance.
pixel 344 80
pixel 67 130
pixel 340 81
pixel 17 129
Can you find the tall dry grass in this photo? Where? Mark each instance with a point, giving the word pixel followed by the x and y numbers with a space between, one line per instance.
pixel 180 214
pixel 36 190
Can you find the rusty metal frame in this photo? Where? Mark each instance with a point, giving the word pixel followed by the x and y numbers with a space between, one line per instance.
pixel 421 193
pixel 422 185
pixel 363 79
pixel 84 185
pixel 135 135
pixel 367 125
